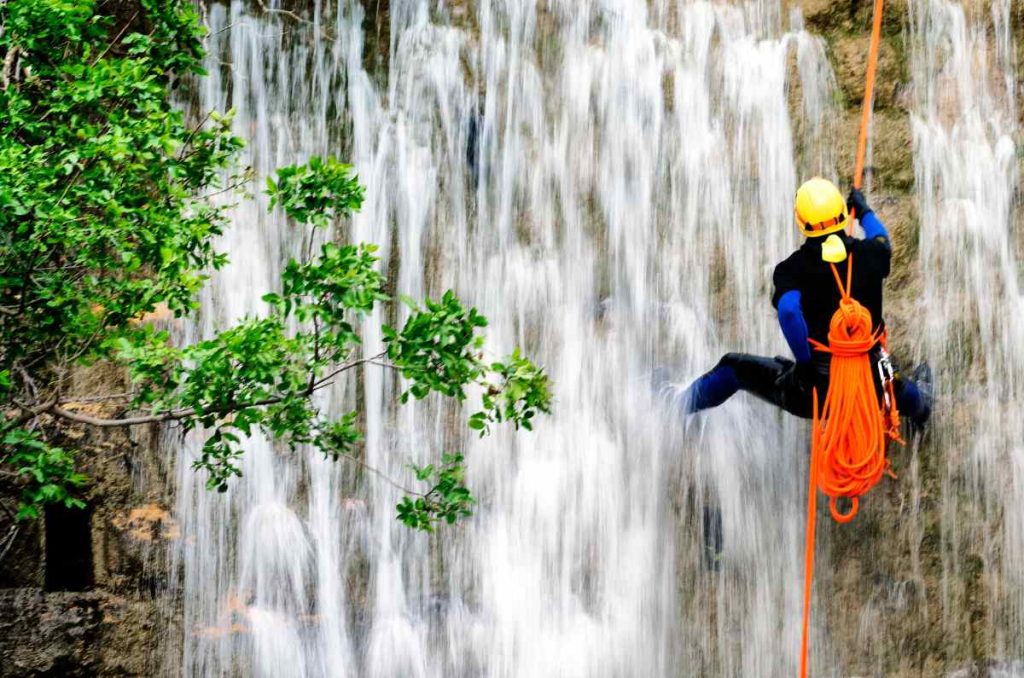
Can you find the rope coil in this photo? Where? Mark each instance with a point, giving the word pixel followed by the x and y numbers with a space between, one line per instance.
pixel 848 439
pixel 850 434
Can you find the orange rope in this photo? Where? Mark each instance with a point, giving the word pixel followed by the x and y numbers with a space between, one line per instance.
pixel 869 95
pixel 848 436
pixel 812 510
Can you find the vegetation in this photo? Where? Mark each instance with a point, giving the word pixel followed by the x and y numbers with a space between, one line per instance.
pixel 105 213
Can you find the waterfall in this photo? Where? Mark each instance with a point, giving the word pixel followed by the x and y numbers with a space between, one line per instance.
pixel 967 177
pixel 610 182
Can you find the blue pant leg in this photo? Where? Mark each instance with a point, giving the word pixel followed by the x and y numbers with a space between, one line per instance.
pixel 754 374
pixel 711 389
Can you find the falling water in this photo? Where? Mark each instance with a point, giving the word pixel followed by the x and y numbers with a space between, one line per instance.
pixel 610 182
pixel 967 175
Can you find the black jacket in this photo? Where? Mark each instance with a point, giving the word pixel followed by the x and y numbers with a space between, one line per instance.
pixel 805 271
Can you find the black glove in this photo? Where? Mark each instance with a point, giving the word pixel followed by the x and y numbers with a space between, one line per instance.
pixel 857 203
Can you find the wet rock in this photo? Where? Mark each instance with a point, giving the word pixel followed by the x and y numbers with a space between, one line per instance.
pixel 377 38
pixel 121 623
pixel 56 634
pixel 77 634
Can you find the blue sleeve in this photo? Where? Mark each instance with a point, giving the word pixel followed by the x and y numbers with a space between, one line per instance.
pixel 794 327
pixel 873 227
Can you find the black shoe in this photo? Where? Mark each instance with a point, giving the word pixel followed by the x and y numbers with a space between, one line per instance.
pixel 922 378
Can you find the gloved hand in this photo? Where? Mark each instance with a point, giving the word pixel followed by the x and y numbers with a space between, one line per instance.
pixel 856 202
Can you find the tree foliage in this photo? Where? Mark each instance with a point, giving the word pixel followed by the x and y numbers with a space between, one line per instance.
pixel 106 216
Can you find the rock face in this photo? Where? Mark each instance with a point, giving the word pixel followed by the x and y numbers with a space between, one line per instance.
pixel 84 593
pixel 50 634
pixel 76 634
pixel 921 601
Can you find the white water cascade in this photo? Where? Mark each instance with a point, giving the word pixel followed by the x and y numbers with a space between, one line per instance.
pixel 967 171
pixel 610 183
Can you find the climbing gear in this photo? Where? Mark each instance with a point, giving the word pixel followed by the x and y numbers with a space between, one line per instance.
pixel 847 460
pixel 820 208
pixel 858 203
pixel 833 250
pixel 849 437
pixel 850 433
pixel 885 377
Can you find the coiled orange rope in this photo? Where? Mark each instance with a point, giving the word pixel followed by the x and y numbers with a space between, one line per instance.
pixel 848 436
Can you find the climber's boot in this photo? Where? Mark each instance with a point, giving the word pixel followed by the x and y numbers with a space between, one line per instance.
pixel 925 381
pixel 917 396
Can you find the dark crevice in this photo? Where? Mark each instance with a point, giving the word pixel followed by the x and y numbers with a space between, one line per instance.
pixel 68 548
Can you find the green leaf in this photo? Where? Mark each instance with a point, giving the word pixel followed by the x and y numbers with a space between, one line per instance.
pixel 110 231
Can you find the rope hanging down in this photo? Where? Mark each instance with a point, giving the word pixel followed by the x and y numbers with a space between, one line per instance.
pixel 848 435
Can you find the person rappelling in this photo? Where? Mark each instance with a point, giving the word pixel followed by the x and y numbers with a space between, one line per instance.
pixel 828 294
pixel 806 297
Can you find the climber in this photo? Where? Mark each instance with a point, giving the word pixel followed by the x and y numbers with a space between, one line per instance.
pixel 806 296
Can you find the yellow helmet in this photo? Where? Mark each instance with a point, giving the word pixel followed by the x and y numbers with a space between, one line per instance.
pixel 820 208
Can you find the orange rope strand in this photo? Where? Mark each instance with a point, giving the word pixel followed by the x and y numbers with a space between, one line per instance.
pixel 812 510
pixel 869 94
pixel 848 436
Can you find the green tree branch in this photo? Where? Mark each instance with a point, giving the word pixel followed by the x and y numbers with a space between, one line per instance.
pixel 105 216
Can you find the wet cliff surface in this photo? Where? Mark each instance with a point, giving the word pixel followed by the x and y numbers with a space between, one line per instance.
pixel 83 593
pixel 914 587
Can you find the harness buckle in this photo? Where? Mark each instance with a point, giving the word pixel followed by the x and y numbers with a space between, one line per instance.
pixel 886 374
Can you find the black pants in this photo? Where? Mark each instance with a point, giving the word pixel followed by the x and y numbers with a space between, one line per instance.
pixel 776 381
